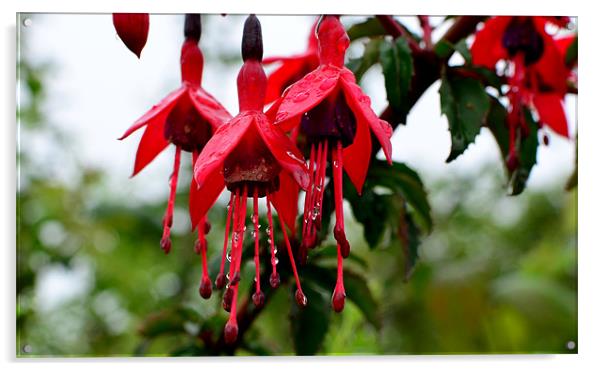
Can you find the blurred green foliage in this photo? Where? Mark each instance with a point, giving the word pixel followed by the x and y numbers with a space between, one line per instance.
pixel 496 274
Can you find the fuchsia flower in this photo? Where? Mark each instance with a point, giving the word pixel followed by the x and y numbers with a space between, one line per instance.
pixel 539 75
pixel 292 69
pixel 253 158
pixel 132 29
pixel 330 109
pixel 187 118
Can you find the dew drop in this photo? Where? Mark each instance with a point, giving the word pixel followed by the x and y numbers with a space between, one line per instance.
pixel 365 99
pixel 300 97
pixel 327 84
pixel 275 261
pixel 281 116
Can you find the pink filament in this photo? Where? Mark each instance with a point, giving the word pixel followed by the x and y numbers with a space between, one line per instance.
pixel 290 253
pixel 168 218
pixel 256 225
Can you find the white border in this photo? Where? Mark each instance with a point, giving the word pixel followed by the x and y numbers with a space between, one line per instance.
pixel 590 186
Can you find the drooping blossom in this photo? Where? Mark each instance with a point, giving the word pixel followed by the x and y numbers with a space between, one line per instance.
pixel 254 159
pixel 186 118
pixel 331 111
pixel 292 68
pixel 537 75
pixel 132 29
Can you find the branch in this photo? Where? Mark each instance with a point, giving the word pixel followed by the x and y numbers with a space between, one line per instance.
pixel 426 31
pixel 427 67
pixel 394 29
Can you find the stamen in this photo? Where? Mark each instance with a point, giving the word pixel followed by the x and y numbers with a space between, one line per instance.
pixel 237 251
pixel 337 174
pixel 258 297
pixel 205 288
pixel 338 296
pixel 220 281
pixel 274 277
pixel 308 197
pixel 231 329
pixel 237 243
pixel 299 296
pixel 320 196
pixel 168 218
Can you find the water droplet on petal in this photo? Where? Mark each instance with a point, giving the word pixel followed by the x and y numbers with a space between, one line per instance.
pixel 365 99
pixel 327 84
pixel 300 97
pixel 281 116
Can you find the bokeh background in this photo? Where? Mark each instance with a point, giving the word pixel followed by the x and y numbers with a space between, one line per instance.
pixel 497 274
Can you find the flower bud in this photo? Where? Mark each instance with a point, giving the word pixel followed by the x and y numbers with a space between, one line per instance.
pixel 252 43
pixel 132 29
pixel 192 27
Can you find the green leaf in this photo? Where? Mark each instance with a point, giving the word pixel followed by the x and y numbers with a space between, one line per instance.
pixel 444 49
pixel 526 146
pixel 465 103
pixel 571 53
pixel 406 182
pixel 370 57
pixel 309 325
pixel 167 322
pixel 359 293
pixel 462 48
pixel 368 210
pixel 409 234
pixel 369 28
pixel 356 288
pixel 398 68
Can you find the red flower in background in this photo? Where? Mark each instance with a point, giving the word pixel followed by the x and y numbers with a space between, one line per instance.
pixel 539 75
pixel 187 118
pixel 252 158
pixel 132 29
pixel 293 68
pixel 331 110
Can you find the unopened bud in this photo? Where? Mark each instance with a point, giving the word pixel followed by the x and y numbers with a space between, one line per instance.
pixel 252 43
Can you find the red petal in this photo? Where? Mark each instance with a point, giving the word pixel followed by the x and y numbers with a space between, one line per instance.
pixel 204 197
pixel 209 108
pixel 487 48
pixel 156 114
pixel 360 105
pixel 278 80
pixel 550 67
pixel 306 93
pixel 219 146
pixel 356 157
pixel 151 144
pixel 284 150
pixel 551 112
pixel 285 200
pixel 201 199
pixel 132 29
pixel 563 44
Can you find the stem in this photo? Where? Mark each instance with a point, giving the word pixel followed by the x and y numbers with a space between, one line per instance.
pixel 426 31
pixel 394 29
pixel 427 67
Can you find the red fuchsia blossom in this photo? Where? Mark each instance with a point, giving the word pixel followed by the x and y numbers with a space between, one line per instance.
pixel 330 109
pixel 538 77
pixel 187 118
pixel 292 68
pixel 252 158
pixel 132 29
